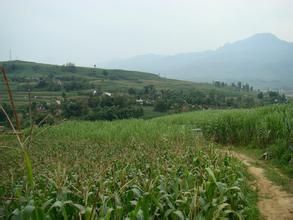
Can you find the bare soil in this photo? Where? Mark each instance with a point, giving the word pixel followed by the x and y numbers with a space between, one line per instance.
pixel 274 203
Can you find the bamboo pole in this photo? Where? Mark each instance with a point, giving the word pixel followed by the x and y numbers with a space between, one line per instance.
pixel 5 80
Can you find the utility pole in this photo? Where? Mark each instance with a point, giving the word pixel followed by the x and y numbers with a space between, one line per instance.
pixel 10 55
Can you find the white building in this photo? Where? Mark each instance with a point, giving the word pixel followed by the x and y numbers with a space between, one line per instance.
pixel 139 101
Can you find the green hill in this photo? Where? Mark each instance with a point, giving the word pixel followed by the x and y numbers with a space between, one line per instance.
pixel 22 73
pixel 85 88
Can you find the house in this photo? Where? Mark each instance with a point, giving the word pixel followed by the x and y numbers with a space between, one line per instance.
pixel 107 94
pixel 139 101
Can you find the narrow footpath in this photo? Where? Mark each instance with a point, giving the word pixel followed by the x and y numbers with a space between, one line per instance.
pixel 274 203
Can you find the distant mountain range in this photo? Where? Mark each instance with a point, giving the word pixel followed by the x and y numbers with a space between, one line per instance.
pixel 262 60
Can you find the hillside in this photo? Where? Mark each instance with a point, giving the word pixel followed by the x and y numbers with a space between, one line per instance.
pixel 69 91
pixel 22 73
pixel 262 60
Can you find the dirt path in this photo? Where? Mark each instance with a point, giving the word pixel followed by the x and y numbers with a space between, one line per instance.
pixel 274 203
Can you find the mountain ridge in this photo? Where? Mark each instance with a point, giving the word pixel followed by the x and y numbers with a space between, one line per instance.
pixel 261 57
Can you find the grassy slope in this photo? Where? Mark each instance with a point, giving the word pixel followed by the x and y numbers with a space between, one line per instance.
pixel 116 80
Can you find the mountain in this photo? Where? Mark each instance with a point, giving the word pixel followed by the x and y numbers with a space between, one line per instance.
pixel 262 60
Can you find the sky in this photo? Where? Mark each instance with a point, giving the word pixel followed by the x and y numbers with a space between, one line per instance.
pixel 88 32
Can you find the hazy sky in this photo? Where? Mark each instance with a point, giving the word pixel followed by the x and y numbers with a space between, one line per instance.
pixel 93 31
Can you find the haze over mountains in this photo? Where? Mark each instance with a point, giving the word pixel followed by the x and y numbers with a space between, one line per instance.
pixel 262 60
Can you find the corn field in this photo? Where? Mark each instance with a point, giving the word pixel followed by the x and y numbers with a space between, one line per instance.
pixel 136 169
pixel 126 169
pixel 267 128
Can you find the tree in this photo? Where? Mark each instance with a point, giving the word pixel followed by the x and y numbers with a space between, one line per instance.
pixel 106 101
pixel 94 101
pixel 260 95
pixel 120 101
pixel 217 84
pixel 248 101
pixel 105 73
pixel 246 87
pixel 64 95
pixel 131 91
pixel 239 85
pixel 149 89
pixel 230 102
pixel 74 108
pixel 69 67
pixel 273 94
pixel 43 83
pixel 161 106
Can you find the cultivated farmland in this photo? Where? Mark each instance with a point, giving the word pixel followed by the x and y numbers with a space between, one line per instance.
pixel 159 168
